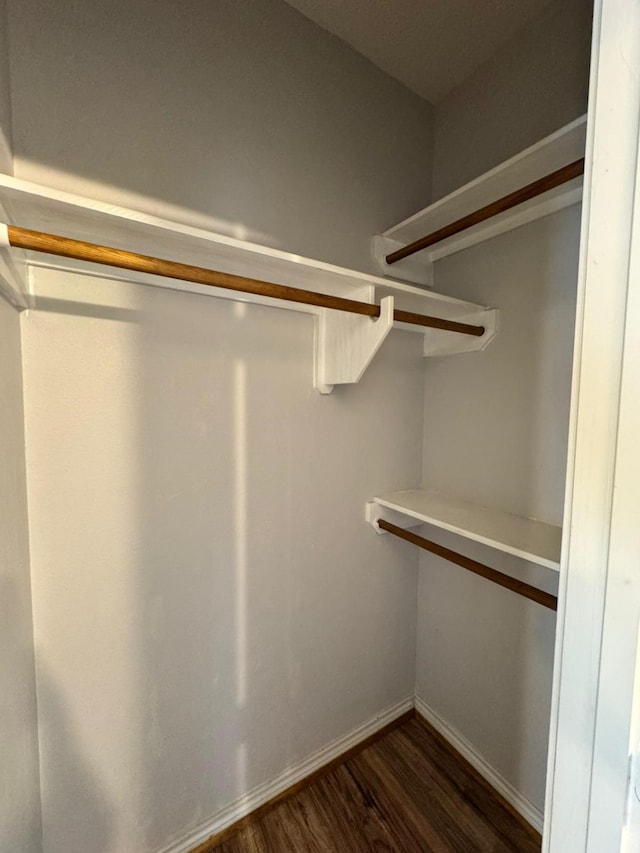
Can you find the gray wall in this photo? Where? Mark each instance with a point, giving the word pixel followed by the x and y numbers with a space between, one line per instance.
pixel 210 606
pixel 20 827
pixel 496 426
pixel 6 160
pixel 241 114
pixel 198 627
pixel 534 85
pixel 496 423
pixel 20 823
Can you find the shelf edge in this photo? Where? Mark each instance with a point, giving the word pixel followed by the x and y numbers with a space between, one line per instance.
pixel 472 535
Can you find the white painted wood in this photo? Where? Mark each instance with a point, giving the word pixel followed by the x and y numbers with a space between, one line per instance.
pixel 551 153
pixel 255 798
pixel 43 208
pixel 441 342
pixel 12 273
pixel 346 343
pixel 468 751
pixel 416 268
pixel 547 155
pixel 616 737
pixel 598 599
pixel 374 511
pixel 543 205
pixel 523 537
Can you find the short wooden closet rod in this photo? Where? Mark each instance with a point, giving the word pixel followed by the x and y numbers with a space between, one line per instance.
pixel 52 244
pixel 525 589
pixel 542 185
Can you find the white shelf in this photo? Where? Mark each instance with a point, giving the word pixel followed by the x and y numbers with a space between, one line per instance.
pixel 344 345
pixel 546 156
pixel 42 208
pixel 523 537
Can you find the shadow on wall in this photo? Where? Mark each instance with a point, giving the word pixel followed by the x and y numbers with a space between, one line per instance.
pixel 75 795
pixel 19 795
pixel 240 116
pixel 212 607
pixel 72 779
pixel 214 613
pixel 145 608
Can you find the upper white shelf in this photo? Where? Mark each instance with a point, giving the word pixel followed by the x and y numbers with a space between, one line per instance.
pixel 523 537
pixel 344 345
pixel 549 154
pixel 46 209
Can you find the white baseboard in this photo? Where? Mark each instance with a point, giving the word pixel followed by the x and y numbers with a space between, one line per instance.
pixel 268 790
pixel 519 802
pixel 292 775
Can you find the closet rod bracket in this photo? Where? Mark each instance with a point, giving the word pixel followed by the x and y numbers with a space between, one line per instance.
pixel 374 511
pixel 13 274
pixel 345 344
pixel 439 342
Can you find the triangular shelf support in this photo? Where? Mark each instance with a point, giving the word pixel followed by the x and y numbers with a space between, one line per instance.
pixel 346 343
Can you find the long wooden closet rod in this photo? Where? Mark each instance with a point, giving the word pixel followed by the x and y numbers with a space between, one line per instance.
pixel 525 589
pixel 52 244
pixel 542 185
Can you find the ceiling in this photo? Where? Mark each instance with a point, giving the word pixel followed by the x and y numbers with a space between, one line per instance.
pixel 429 45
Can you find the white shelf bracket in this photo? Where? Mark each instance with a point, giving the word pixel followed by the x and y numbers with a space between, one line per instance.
pixel 416 268
pixel 441 342
pixel 374 511
pixel 346 343
pixel 13 279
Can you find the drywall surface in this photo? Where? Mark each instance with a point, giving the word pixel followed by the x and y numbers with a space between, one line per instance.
pixel 19 784
pixel 496 426
pixel 210 605
pixel 532 86
pixel 6 158
pixel 239 114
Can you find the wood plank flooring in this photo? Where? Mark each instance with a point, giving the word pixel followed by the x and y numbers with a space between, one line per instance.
pixel 408 792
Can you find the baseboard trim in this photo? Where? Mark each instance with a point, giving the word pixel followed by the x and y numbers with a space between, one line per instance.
pixel 496 780
pixel 264 796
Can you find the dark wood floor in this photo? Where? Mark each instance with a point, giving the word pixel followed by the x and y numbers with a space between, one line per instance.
pixel 405 793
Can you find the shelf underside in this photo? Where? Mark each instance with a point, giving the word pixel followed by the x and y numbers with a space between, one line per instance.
pixel 53 211
pixel 531 540
pixel 549 154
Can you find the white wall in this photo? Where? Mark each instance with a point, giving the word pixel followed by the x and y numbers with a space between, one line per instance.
pixel 496 427
pixel 535 84
pixel 20 827
pixel 6 160
pixel 496 423
pixel 20 823
pixel 210 606
pixel 238 112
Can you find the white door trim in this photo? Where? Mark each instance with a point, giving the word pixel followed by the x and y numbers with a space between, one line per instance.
pixel 584 808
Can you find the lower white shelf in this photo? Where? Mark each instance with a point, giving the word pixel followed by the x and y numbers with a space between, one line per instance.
pixel 523 537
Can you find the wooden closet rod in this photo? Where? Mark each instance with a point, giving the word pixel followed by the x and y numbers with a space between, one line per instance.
pixel 525 589
pixel 542 185
pixel 51 244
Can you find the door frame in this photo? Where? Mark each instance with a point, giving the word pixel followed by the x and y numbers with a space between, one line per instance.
pixel 592 717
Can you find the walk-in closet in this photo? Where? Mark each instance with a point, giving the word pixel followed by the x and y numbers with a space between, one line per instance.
pixel 318 338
